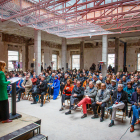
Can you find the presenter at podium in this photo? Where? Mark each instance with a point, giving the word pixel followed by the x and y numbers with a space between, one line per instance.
pixel 4 104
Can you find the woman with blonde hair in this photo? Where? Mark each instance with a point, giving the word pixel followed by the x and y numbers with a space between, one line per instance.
pixel 66 92
pixel 4 104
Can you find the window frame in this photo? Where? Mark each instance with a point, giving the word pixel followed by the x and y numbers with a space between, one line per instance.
pixel 110 57
pixel 138 61
pixel 12 60
pixel 72 62
pixel 56 61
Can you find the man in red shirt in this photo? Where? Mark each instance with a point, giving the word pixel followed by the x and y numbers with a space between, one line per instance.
pixel 34 79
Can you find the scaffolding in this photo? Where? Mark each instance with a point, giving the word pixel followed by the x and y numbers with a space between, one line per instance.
pixel 74 18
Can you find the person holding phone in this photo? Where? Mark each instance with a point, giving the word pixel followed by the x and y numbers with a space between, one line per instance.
pixel 4 104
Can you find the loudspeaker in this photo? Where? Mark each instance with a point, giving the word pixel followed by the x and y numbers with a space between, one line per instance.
pixel 66 65
pixel 32 65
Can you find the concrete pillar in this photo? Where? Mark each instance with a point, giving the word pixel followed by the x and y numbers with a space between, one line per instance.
pixel 26 55
pixel 64 53
pixel 116 54
pixel 104 54
pixel 47 60
pixel 82 55
pixel 23 58
pixel 37 51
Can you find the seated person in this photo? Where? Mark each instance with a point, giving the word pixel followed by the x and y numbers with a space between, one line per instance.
pixel 98 85
pixel 136 83
pixel 101 79
pixel 124 81
pixel 95 79
pixel 81 78
pixel 47 76
pixel 108 84
pixel 135 101
pixel 25 87
pixel 86 83
pixel 66 93
pixel 63 82
pixel 119 101
pixel 55 87
pixel 77 95
pixel 38 80
pixel 41 89
pixel 74 82
pixel 34 79
pixel 101 100
pixel 51 82
pixel 90 94
pixel 113 87
pixel 129 89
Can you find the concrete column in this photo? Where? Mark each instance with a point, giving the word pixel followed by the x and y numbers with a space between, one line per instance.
pixel 47 60
pixel 23 58
pixel 104 54
pixel 116 54
pixel 64 53
pixel 37 51
pixel 82 55
pixel 26 55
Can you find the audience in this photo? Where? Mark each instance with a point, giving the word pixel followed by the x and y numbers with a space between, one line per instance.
pixel 84 87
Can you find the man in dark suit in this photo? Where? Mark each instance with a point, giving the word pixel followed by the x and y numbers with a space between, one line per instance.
pixel 119 99
pixel 102 98
pixel 41 89
pixel 135 101
pixel 77 95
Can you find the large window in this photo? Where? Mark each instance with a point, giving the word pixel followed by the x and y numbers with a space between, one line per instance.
pixel 12 56
pixel 54 59
pixel 138 65
pixel 76 62
pixel 111 60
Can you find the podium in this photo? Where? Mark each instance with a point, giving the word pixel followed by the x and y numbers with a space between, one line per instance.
pixel 13 115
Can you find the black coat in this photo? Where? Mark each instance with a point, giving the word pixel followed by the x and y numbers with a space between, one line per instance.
pixel 124 97
pixel 79 92
pixel 38 81
pixel 43 86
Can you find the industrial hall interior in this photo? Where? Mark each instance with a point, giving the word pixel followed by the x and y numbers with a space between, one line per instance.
pixel 69 69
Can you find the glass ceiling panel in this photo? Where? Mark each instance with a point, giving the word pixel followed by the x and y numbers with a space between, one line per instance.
pixel 59 17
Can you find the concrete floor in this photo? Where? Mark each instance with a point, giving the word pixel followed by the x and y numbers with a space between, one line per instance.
pixel 58 126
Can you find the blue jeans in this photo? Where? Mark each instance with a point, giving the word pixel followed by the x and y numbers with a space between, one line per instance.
pixel 136 112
